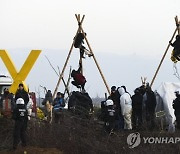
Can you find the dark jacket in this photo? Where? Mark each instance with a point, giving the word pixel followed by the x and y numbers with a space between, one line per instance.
pixel 78 40
pixel 22 94
pixel 116 99
pixel 176 44
pixel 176 106
pixel 20 113
pixel 151 101
pixel 48 97
pixel 137 102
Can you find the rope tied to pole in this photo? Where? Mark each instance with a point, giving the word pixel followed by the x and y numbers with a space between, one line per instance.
pixel 176 73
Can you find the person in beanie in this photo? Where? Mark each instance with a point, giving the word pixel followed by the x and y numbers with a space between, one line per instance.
pixel 20 115
pixel 21 93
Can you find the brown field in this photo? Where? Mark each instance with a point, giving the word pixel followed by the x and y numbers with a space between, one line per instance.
pixel 80 136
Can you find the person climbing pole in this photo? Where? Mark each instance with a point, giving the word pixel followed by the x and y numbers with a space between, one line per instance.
pixel 78 43
pixel 176 51
pixel 79 79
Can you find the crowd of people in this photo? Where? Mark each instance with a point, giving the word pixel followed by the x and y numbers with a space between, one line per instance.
pixel 121 111
pixel 19 107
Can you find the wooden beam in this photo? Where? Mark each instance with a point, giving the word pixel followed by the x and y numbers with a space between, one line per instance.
pixel 177 24
pixel 66 62
pixel 163 57
pixel 95 60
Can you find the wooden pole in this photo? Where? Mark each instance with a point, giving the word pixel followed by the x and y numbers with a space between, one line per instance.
pixel 66 86
pixel 177 23
pixel 67 59
pixel 80 60
pixel 95 60
pixel 163 58
pixel 68 83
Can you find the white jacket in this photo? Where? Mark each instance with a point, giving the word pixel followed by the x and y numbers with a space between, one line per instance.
pixel 125 101
pixel 29 107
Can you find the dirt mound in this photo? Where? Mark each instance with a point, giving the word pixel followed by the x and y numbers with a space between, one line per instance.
pixel 32 150
pixel 78 136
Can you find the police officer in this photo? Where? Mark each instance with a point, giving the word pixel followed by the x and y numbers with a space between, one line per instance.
pixel 176 107
pixel 20 115
pixel 110 115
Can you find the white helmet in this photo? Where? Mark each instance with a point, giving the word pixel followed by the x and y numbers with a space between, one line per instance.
pixel 109 102
pixel 177 92
pixel 20 101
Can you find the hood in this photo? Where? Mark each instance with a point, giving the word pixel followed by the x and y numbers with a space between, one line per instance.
pixel 121 91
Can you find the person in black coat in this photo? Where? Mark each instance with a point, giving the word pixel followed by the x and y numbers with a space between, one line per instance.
pixel 115 96
pixel 78 43
pixel 176 107
pixel 20 115
pixel 21 93
pixel 176 45
pixel 137 99
pixel 150 107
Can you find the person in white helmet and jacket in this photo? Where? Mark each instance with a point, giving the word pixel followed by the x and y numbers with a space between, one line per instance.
pixel 126 107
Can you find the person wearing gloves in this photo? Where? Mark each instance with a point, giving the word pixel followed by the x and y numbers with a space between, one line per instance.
pixel 126 108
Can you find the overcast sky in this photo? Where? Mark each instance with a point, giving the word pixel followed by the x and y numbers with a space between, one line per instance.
pixel 128 38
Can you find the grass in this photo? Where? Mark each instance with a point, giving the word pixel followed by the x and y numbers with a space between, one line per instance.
pixel 78 136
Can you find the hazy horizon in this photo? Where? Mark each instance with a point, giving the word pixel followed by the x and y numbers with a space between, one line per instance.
pixel 118 70
pixel 128 39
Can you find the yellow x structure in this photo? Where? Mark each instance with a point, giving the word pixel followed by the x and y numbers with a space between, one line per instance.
pixel 19 77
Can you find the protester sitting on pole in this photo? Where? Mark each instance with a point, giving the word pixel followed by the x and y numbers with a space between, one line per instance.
pixel 78 43
pixel 79 79
pixel 176 50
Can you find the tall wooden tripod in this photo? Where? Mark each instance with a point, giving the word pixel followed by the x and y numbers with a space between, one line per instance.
pixel 80 29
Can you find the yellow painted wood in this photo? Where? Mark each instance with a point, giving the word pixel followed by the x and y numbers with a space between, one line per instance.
pixel 19 77
pixel 8 62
